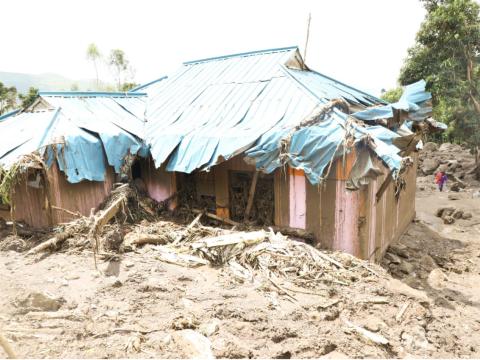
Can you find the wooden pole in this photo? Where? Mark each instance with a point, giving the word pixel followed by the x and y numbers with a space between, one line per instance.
pixel 251 195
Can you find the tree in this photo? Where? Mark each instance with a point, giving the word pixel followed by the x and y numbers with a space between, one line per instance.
pixel 392 95
pixel 29 98
pixel 119 64
pixel 8 98
pixel 447 55
pixel 94 55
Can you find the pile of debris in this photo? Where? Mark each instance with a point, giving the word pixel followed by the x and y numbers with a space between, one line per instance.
pixel 455 160
pixel 449 214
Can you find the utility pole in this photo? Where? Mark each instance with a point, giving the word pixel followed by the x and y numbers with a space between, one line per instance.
pixel 308 34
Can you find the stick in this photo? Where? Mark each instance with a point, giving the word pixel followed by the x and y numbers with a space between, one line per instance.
pixel 190 226
pixel 50 243
pixel 215 217
pixel 65 210
pixel 6 346
pixel 285 291
pixel 402 311
pixel 251 195
pixel 377 339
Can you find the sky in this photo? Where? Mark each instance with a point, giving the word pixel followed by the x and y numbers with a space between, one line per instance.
pixel 360 42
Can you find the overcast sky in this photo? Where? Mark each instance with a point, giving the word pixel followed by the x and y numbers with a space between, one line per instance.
pixel 362 43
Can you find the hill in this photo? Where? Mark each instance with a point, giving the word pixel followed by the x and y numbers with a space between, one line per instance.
pixel 44 82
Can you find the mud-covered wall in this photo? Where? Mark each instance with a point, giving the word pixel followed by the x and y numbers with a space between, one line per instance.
pixel 31 203
pixel 160 184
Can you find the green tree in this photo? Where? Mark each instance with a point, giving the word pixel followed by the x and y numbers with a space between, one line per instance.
pixel 447 55
pixel 29 98
pixel 392 95
pixel 8 98
pixel 119 65
pixel 94 55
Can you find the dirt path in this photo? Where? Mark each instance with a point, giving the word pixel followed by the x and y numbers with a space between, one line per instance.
pixel 137 306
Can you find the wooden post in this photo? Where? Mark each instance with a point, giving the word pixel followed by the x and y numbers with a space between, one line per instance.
pixel 222 197
pixel 251 195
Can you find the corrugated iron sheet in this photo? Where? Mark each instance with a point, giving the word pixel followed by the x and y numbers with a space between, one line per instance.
pixel 81 128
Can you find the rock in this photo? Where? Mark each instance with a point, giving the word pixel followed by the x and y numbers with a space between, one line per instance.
pixel 185 321
pixel 40 301
pixel 448 220
pixel 371 324
pixel 429 166
pixel 231 349
pixel 427 262
pixel 476 195
pixel 193 344
pixel 458 214
pixel 436 279
pixel 210 328
pixel 128 264
pixel 392 258
pixel 430 146
pixel 406 267
pixel 444 211
pixel 455 187
pixel 467 216
pixel 415 339
pixel 398 287
pixel 399 249
pixel 453 197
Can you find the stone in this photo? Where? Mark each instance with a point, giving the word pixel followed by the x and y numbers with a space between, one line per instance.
pixel 210 328
pixel 427 262
pixel 458 214
pixel 448 220
pixel 371 324
pixel 429 166
pixel 40 301
pixel 399 249
pixel 392 258
pixel 415 339
pixel 193 344
pixel 444 211
pixel 398 287
pixel 436 279
pixel 467 215
pixel 430 146
pixel 406 267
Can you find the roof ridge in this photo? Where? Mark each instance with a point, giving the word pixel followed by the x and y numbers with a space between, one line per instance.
pixel 91 93
pixel 249 53
pixel 139 87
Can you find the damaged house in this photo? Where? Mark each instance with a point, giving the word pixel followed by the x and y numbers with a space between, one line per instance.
pixel 255 137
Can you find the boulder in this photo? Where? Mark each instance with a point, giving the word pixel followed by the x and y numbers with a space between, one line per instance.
pixel 40 301
pixel 444 211
pixel 406 267
pixel 458 214
pixel 453 197
pixel 467 215
pixel 429 166
pixel 448 220
pixel 430 146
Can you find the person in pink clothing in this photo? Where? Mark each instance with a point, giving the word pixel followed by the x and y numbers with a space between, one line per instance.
pixel 441 179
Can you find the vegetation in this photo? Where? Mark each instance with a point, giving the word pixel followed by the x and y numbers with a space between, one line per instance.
pixel 8 98
pixel 94 55
pixel 447 55
pixel 29 98
pixel 392 95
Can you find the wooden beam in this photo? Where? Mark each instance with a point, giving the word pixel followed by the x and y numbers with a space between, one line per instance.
pixel 383 187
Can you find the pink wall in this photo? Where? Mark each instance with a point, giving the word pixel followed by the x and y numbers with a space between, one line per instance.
pixel 346 219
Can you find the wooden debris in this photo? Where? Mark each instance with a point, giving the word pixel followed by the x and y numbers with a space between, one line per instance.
pixel 52 243
pixel 137 239
pixel 181 236
pixel 375 338
pixel 171 256
pixel 106 215
pixel 247 238
pixel 402 311
pixel 6 347
pixel 76 214
pixel 218 218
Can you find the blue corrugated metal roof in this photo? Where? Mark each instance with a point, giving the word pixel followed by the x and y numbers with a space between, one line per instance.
pixel 212 109
pixel 82 128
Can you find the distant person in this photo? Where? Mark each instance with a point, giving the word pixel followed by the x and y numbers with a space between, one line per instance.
pixel 441 179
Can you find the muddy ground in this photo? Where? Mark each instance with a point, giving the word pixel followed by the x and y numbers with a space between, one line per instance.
pixel 422 301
